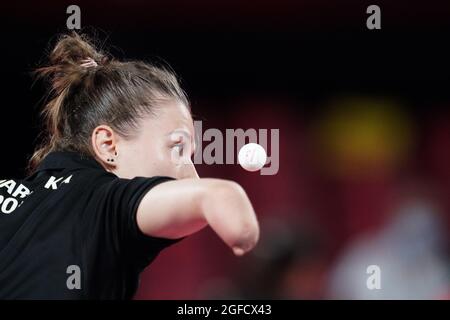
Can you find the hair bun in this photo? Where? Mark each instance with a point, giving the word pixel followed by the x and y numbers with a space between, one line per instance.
pixel 73 49
pixel 72 55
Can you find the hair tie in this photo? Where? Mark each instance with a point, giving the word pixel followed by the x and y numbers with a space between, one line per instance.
pixel 89 62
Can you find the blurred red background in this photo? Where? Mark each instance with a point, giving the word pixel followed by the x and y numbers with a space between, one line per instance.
pixel 364 135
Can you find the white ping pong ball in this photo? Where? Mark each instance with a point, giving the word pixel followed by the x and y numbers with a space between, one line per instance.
pixel 252 157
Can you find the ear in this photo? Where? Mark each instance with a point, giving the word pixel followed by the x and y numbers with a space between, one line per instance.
pixel 104 144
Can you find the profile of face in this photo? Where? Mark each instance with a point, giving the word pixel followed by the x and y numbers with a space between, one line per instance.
pixel 162 145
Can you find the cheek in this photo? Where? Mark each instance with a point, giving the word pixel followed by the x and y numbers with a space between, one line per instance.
pixel 160 160
pixel 155 158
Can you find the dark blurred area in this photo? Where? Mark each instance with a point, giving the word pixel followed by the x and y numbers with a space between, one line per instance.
pixel 364 122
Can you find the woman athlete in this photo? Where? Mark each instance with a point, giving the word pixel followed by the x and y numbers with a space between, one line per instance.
pixel 111 184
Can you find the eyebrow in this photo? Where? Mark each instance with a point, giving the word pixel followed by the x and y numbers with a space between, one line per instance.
pixel 182 131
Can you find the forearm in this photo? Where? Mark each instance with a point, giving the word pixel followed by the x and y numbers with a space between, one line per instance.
pixel 228 211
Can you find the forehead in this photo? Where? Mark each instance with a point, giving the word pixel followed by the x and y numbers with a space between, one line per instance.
pixel 176 110
pixel 170 115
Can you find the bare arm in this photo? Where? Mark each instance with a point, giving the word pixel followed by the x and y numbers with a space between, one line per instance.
pixel 175 209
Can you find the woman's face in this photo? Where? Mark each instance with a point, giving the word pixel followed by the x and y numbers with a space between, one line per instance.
pixel 163 145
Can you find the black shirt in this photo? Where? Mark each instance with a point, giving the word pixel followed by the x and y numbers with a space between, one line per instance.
pixel 69 232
